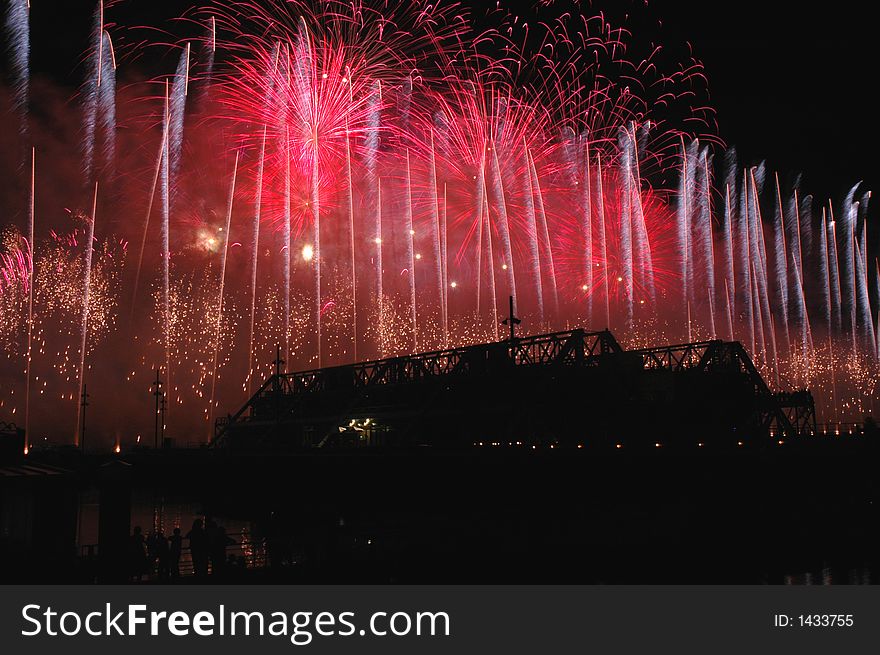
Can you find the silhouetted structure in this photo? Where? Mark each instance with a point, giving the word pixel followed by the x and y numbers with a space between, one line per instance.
pixel 199 548
pixel 12 442
pixel 159 419
pixel 114 523
pixel 567 387
pixel 38 505
pixel 83 403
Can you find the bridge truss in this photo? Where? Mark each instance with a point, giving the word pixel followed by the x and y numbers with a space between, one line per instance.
pixel 375 387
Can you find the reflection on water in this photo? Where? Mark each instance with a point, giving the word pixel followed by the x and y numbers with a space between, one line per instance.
pixel 827 575
pixel 159 511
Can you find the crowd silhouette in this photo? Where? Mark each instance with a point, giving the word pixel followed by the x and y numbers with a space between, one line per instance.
pixel 277 546
pixel 156 557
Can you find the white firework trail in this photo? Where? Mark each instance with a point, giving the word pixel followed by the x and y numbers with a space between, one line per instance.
pixel 19 45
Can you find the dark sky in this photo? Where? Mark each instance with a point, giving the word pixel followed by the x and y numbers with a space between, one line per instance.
pixel 792 82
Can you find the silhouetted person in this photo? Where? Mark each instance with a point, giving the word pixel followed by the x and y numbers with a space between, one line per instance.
pixel 175 546
pixel 137 554
pixel 218 541
pixel 198 548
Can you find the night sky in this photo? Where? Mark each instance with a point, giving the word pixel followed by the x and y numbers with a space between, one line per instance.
pixel 792 82
pixel 792 85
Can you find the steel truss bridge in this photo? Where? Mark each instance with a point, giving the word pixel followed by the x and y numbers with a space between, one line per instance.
pixel 567 385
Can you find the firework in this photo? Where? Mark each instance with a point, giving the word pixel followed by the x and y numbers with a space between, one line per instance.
pixel 398 174
pixel 18 35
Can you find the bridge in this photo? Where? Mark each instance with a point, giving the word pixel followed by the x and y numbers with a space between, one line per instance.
pixel 572 386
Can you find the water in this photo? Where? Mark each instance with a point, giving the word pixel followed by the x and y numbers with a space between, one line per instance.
pixel 829 575
pixel 607 540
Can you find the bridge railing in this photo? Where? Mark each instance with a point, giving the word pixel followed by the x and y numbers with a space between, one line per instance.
pixel 572 347
pixel 676 357
pixel 541 349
